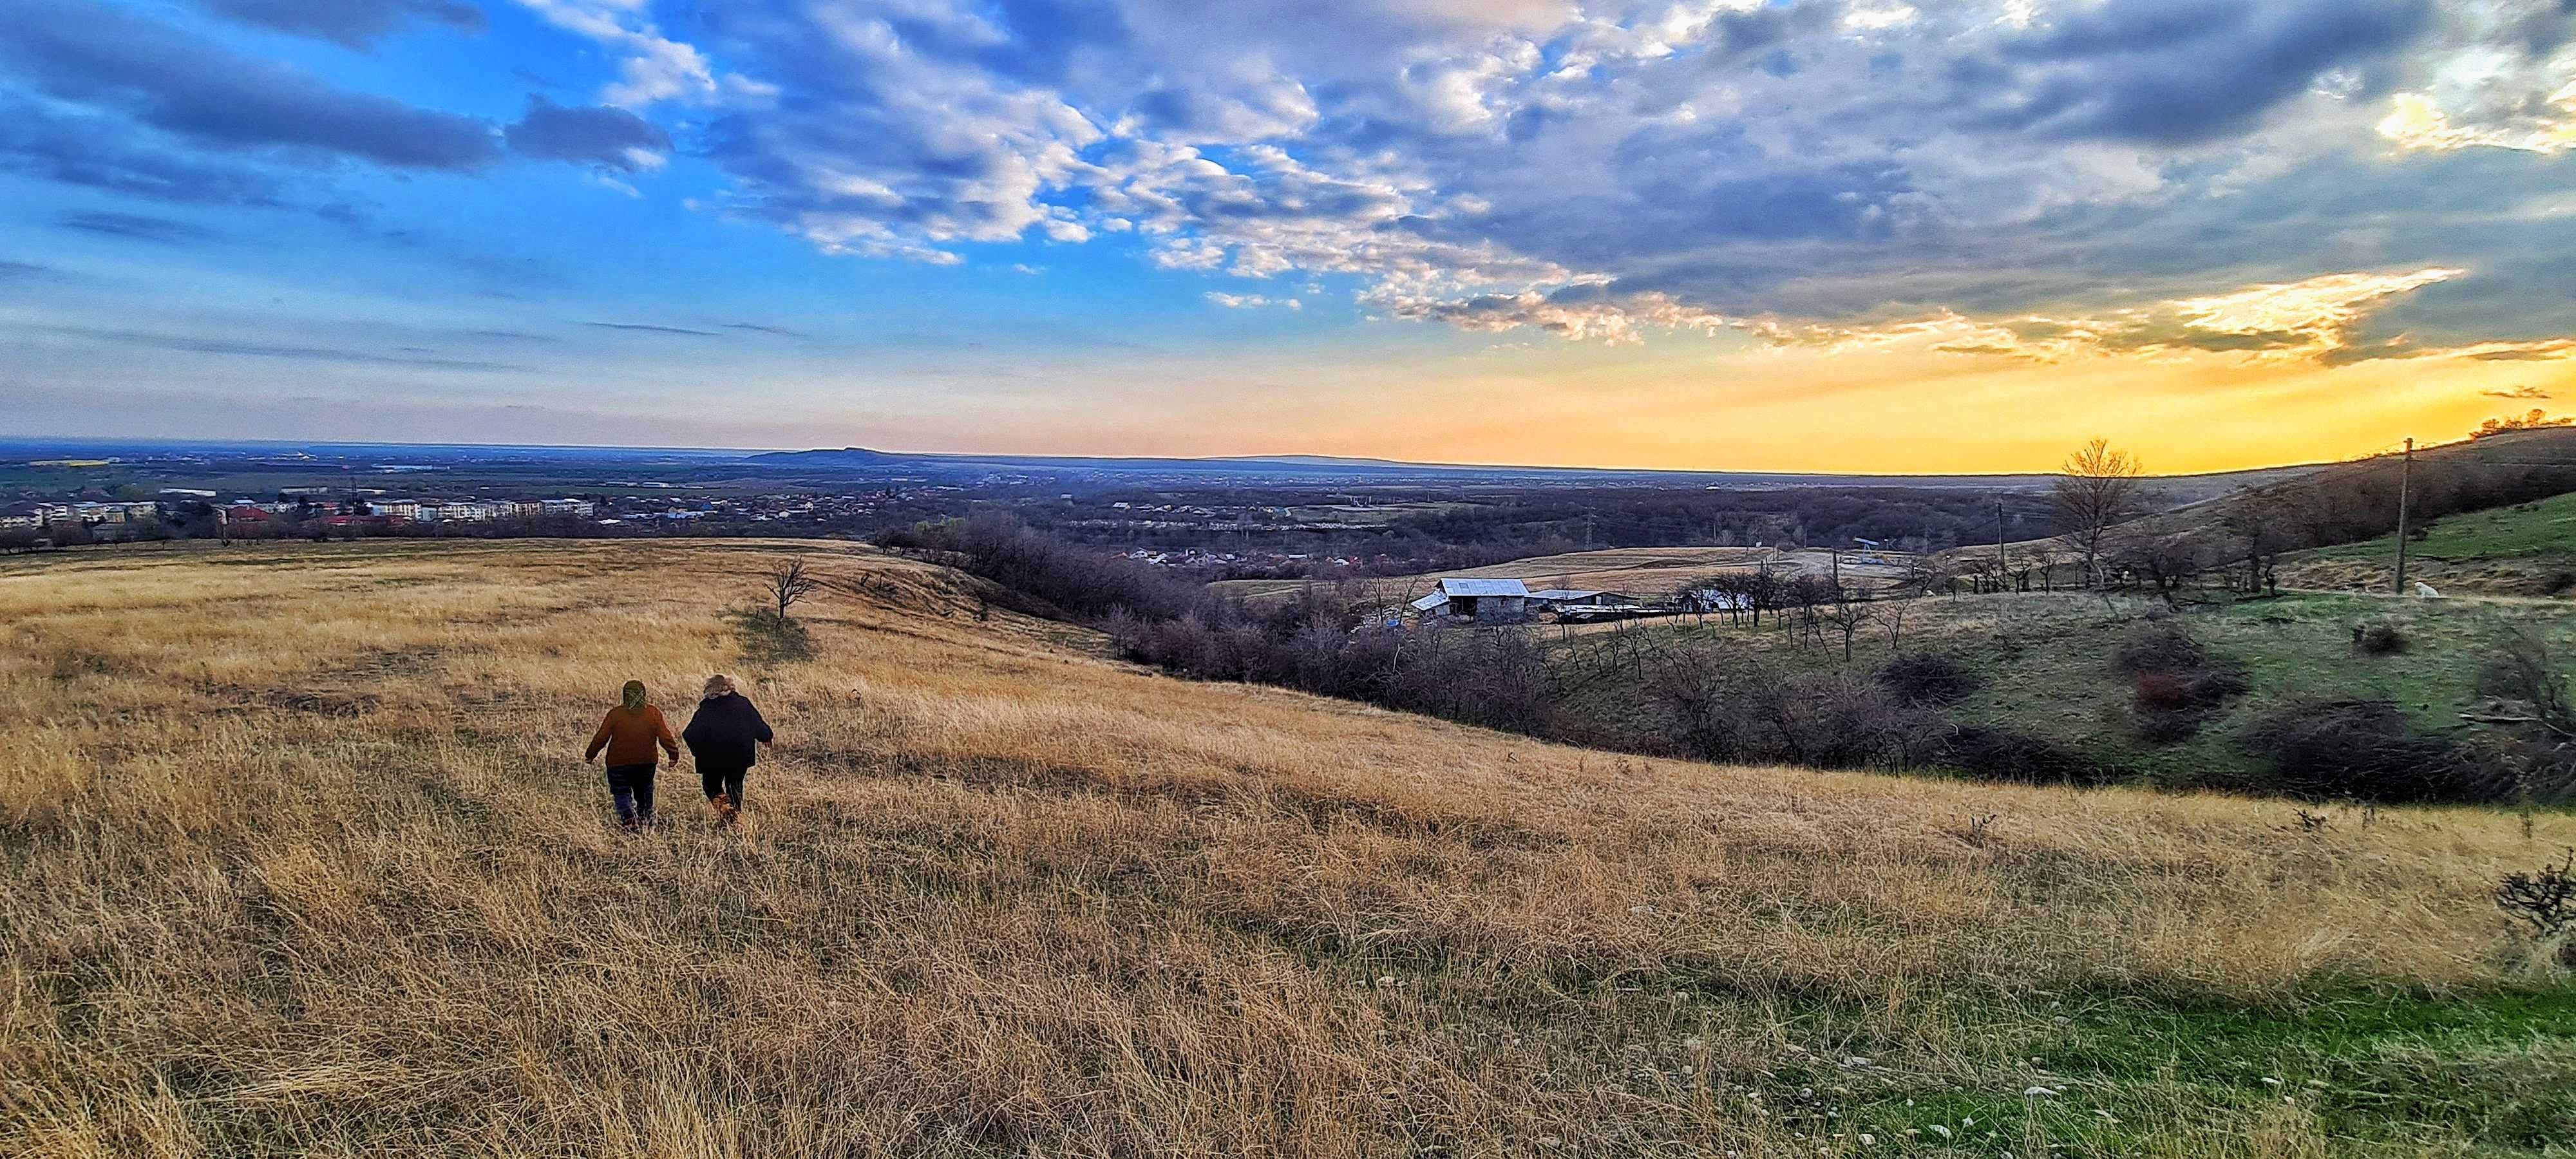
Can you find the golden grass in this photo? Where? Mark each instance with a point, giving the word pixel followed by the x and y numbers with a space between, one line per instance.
pixel 302 859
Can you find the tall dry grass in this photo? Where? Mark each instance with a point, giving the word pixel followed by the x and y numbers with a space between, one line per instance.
pixel 302 859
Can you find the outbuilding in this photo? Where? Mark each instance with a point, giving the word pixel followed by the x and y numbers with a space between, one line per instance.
pixel 1488 601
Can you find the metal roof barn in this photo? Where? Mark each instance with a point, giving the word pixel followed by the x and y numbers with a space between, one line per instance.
pixel 1483 587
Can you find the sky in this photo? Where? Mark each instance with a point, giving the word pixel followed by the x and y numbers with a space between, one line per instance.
pixel 1856 235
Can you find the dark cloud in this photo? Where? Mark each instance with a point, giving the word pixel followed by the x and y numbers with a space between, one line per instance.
pixel 194 345
pixel 649 328
pixel 2179 72
pixel 188 86
pixel 22 271
pixel 780 331
pixel 603 136
pixel 355 23
pixel 2520 392
pixel 137 227
pixel 99 152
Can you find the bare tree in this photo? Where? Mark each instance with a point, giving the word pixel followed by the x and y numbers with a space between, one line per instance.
pixel 1891 619
pixel 1848 617
pixel 788 583
pixel 2098 489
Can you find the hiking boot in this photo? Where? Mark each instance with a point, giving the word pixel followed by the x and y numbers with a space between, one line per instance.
pixel 725 812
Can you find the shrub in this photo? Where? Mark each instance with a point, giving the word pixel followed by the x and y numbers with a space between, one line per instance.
pixel 2162 647
pixel 1997 754
pixel 2178 683
pixel 2544 903
pixel 1928 678
pixel 2368 749
pixel 1721 708
pixel 2379 639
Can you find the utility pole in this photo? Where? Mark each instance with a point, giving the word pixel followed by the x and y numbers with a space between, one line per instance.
pixel 2405 477
pixel 1999 542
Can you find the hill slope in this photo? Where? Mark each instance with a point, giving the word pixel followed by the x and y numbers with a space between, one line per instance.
pixel 302 859
pixel 2528 549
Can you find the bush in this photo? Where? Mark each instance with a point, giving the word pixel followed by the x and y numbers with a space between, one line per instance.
pixel 2379 639
pixel 1723 709
pixel 1928 678
pixel 1996 754
pixel 2178 684
pixel 2370 750
pixel 2162 647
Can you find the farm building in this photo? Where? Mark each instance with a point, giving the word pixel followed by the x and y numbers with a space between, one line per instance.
pixel 1552 598
pixel 1488 601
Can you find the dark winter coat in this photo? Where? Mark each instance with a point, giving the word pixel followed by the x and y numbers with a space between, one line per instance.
pixel 724 732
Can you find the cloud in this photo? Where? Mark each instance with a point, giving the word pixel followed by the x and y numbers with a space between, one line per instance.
pixel 1252 301
pixel 650 328
pixel 1609 171
pixel 653 68
pixel 759 328
pixel 103 153
pixel 1970 173
pixel 22 271
pixel 187 86
pixel 2321 320
pixel 2180 72
pixel 2501 76
pixel 2520 392
pixel 355 23
pixel 195 345
pixel 137 227
pixel 610 138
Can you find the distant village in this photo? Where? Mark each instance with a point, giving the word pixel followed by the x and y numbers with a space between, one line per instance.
pixel 303 510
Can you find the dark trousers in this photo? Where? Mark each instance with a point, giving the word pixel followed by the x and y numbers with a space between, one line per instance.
pixel 630 788
pixel 724 779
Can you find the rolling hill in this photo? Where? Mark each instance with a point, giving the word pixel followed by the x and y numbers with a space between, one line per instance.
pixel 2527 549
pixel 303 860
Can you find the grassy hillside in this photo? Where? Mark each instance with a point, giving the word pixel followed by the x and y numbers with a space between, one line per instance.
pixel 2524 549
pixel 2045 668
pixel 302 860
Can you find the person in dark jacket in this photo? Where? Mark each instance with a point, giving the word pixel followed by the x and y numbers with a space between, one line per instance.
pixel 725 736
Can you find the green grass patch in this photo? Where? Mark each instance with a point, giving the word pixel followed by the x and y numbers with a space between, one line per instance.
pixel 2045 667
pixel 2492 1071
pixel 2544 527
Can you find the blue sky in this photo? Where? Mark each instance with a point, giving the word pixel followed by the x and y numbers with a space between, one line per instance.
pixel 1720 233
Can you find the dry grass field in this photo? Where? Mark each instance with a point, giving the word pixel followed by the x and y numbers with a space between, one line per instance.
pixel 302 859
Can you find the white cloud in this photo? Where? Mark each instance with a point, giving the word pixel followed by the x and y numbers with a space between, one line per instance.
pixel 1252 301
pixel 1608 170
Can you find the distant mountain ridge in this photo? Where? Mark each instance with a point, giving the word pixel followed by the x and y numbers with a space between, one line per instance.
pixel 1335 466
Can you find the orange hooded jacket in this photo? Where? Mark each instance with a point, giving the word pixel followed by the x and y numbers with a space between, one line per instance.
pixel 629 736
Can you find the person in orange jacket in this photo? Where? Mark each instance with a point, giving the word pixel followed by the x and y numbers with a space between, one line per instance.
pixel 629 732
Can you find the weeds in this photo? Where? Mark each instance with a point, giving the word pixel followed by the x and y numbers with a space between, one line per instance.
pixel 2543 904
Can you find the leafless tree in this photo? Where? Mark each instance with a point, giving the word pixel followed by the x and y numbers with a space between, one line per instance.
pixel 2098 489
pixel 2044 557
pixel 1891 620
pixel 2262 523
pixel 1848 617
pixel 788 583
